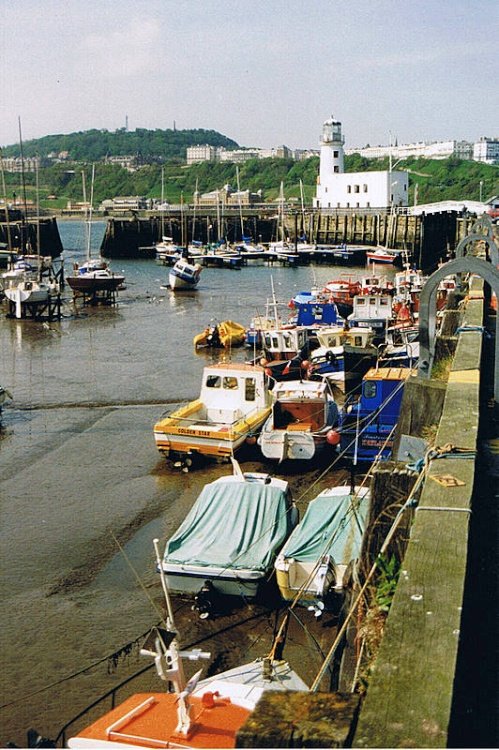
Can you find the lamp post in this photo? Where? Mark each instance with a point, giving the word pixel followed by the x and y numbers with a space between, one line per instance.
pixel 481 186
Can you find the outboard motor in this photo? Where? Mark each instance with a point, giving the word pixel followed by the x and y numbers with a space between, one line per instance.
pixel 206 601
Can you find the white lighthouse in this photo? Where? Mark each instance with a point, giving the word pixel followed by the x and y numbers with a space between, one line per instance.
pixel 365 190
pixel 332 155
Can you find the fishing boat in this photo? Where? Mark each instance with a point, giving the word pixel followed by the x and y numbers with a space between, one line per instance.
pixel 367 423
pixel 94 275
pixel 233 404
pixel 303 413
pixel 231 536
pixel 192 713
pixel 372 311
pixel 401 348
pixel 220 335
pixel 311 566
pixel 184 275
pixel 348 255
pixel 285 351
pixel 344 355
pixel 383 255
pixel 314 310
pixel 342 292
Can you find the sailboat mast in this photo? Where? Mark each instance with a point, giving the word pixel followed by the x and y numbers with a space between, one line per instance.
pixel 89 251
pixel 23 187
pixel 240 204
pixel 7 218
pixel 38 253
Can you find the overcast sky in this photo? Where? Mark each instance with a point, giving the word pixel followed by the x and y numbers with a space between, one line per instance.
pixel 262 72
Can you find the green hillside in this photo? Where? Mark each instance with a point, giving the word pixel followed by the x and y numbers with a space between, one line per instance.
pixel 434 180
pixel 93 145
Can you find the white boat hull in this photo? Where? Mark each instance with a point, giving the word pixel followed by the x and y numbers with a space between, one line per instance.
pixel 189 579
pixel 280 445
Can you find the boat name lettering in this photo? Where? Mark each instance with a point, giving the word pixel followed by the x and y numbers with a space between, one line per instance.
pixel 187 431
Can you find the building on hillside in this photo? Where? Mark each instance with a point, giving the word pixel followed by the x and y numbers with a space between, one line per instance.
pixel 130 163
pixel 486 150
pixel 238 155
pixel 420 150
pixel 201 153
pixel 227 196
pixel 339 189
pixel 16 164
pixel 126 204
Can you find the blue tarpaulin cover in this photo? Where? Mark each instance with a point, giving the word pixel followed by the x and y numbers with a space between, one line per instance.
pixel 329 526
pixel 232 524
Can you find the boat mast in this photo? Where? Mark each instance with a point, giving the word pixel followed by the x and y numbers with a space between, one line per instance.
pixel 162 202
pixel 7 218
pixel 240 204
pixel 38 253
pixel 23 187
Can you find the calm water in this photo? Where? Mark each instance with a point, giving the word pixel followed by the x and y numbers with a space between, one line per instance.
pixel 79 473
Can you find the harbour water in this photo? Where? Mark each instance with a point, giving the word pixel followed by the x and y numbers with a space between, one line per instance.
pixel 83 490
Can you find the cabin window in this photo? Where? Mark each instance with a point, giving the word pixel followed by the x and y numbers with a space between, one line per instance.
pixel 370 389
pixel 268 340
pixel 250 389
pixel 275 342
pixel 384 301
pixel 357 340
pixel 230 383
pixel 332 341
pixel 213 381
pixel 360 301
pixel 287 340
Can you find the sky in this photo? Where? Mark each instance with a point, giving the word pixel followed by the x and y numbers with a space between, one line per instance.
pixel 264 73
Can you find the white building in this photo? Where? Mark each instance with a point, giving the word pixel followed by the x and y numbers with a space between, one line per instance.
pixel 422 150
pixel 339 189
pixel 201 153
pixel 486 150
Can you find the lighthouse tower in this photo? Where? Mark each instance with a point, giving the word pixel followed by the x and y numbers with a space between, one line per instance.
pixel 332 155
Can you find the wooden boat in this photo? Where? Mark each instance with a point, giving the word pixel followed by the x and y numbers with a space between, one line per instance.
pixel 303 412
pixel 313 562
pixel 367 423
pixel 197 713
pixel 234 403
pixel 184 275
pixel 230 538
pixel 344 355
pixel 221 335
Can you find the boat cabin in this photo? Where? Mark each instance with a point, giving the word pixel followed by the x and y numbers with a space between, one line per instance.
pixel 233 404
pixel 367 423
pixel 373 310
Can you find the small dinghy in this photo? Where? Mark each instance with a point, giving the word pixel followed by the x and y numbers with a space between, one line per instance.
pixel 221 335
